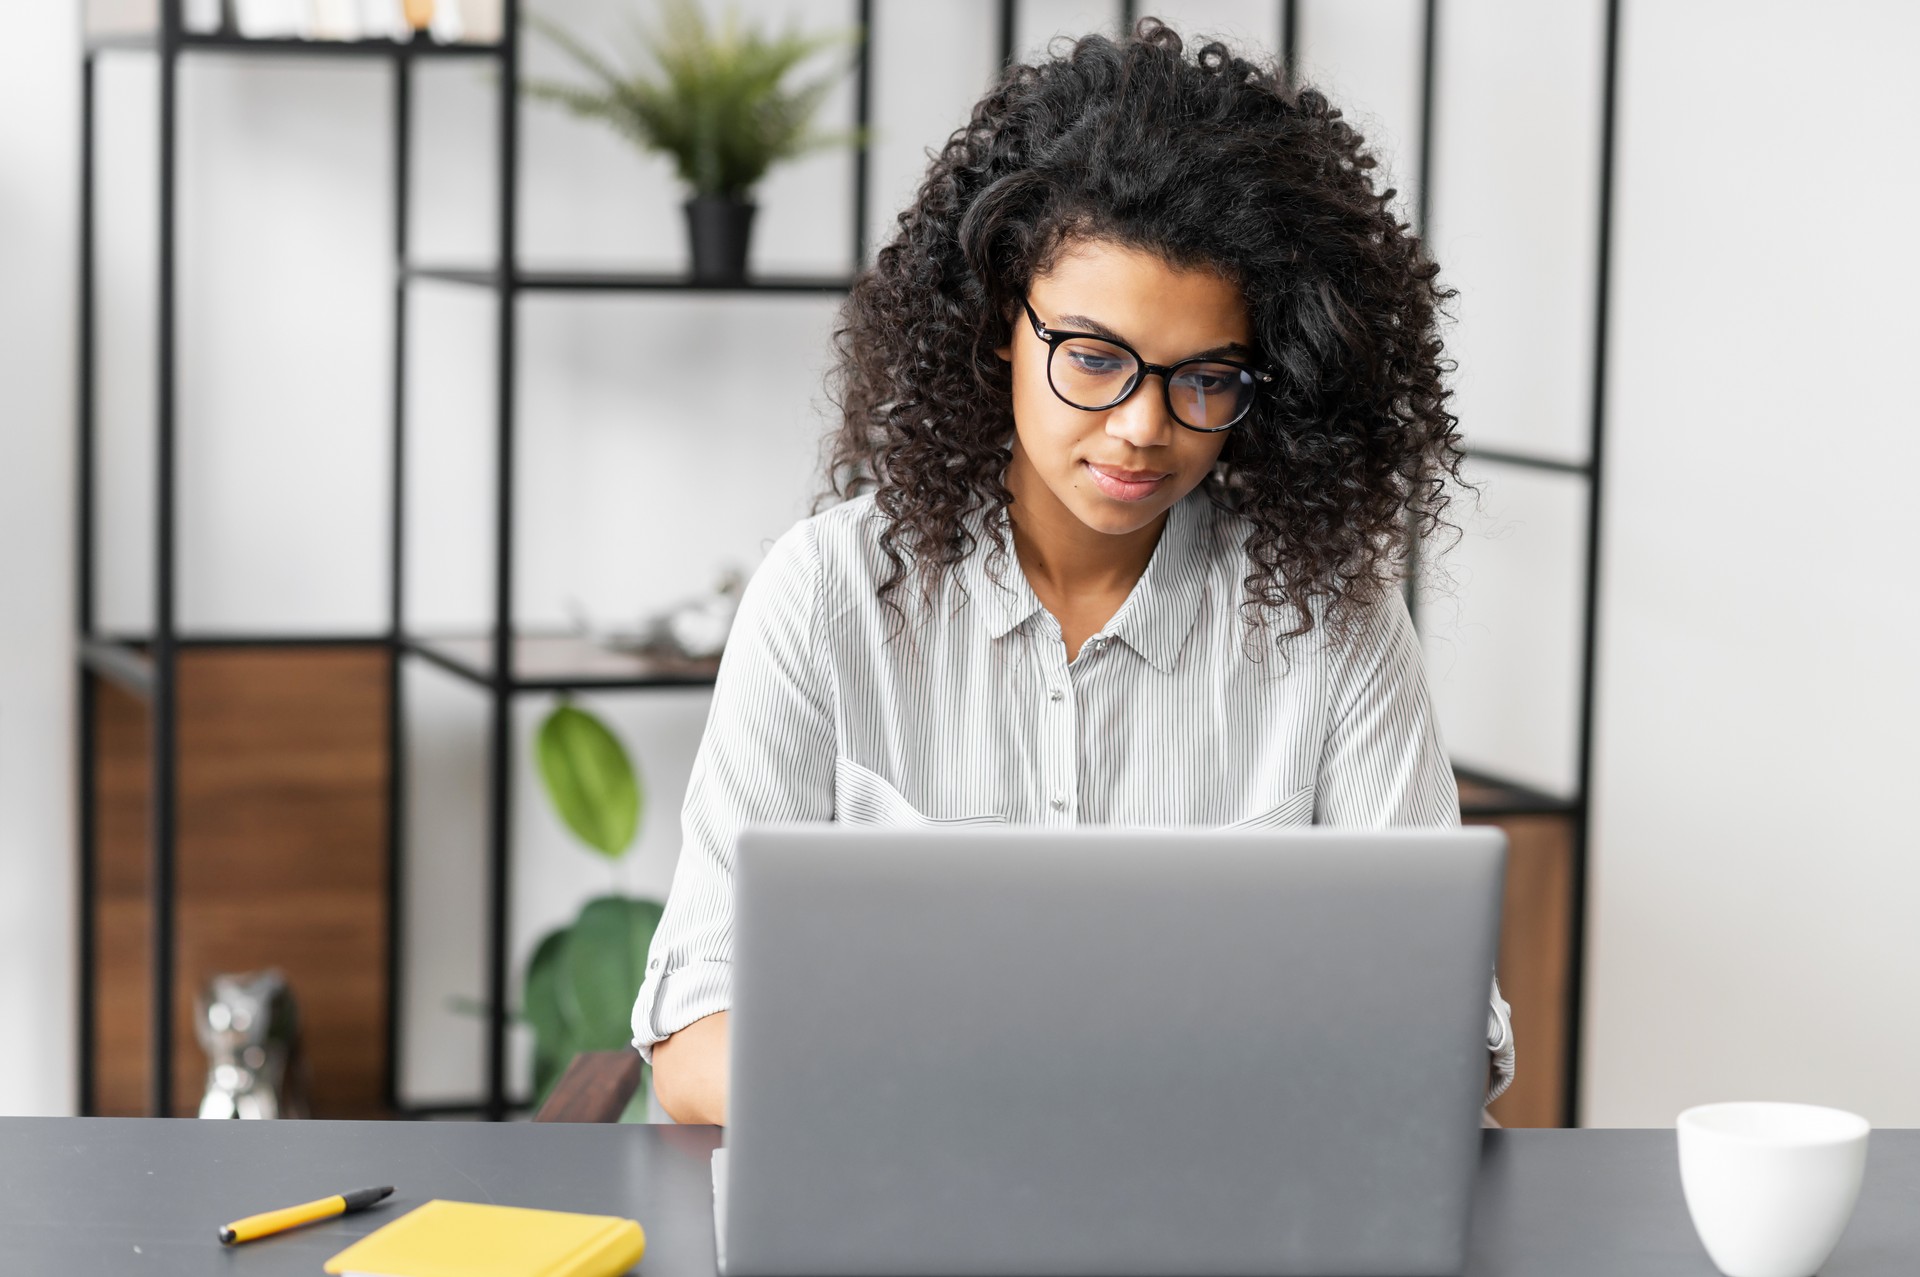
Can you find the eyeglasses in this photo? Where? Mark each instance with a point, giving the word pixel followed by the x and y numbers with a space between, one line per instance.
pixel 1094 373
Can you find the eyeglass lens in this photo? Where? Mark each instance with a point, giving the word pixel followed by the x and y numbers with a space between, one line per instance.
pixel 1093 374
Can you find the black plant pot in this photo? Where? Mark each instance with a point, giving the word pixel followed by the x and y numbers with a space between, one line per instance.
pixel 720 230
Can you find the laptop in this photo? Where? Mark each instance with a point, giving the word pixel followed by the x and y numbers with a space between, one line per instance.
pixel 964 1053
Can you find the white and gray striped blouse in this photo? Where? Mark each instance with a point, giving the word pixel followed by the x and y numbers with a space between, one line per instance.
pixel 974 716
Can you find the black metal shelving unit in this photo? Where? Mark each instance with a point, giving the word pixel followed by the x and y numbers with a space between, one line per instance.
pixel 1576 807
pixel 507 662
pixel 503 663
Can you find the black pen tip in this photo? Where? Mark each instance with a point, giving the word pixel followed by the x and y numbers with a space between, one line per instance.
pixel 361 1198
pixel 226 1236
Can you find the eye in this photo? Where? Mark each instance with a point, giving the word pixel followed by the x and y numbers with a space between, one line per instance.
pixel 1097 361
pixel 1213 379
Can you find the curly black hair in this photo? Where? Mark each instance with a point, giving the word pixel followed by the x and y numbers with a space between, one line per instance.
pixel 1208 161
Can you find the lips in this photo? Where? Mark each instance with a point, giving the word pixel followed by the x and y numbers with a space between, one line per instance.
pixel 1125 485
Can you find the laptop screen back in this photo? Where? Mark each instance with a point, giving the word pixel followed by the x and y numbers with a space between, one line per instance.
pixel 1107 1051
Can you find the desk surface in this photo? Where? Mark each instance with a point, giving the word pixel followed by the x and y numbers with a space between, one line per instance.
pixel 137 1196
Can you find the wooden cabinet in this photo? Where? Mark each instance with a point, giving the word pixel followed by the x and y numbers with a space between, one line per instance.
pixel 1536 953
pixel 281 861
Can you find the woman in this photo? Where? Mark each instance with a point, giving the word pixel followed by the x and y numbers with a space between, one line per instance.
pixel 1139 407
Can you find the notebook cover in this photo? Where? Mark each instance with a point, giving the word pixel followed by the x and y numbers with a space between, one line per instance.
pixel 467 1239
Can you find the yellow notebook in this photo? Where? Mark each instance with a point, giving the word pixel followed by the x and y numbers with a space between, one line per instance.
pixel 466 1239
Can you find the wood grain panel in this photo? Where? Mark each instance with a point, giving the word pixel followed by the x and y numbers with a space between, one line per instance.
pixel 281 862
pixel 121 946
pixel 1535 962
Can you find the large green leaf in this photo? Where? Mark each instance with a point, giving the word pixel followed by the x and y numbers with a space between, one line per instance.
pixel 540 1001
pixel 581 985
pixel 602 968
pixel 590 780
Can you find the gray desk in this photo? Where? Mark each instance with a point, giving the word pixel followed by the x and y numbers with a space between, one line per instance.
pixel 86 1196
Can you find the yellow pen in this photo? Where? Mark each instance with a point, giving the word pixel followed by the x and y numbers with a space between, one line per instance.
pixel 278 1221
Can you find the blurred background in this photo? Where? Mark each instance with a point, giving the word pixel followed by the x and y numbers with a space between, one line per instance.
pixel 1672 647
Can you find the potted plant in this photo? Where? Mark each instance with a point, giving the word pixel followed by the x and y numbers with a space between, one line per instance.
pixel 717 99
pixel 583 978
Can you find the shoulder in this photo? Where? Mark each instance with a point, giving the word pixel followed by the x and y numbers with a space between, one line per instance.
pixel 844 538
pixel 1376 629
pixel 828 555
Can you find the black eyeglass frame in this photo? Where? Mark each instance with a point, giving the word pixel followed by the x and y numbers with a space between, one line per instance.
pixel 1053 337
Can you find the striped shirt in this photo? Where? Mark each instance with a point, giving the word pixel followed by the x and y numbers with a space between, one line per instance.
pixel 826 709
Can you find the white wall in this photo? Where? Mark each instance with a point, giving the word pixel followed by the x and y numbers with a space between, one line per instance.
pixel 1756 867
pixel 1514 210
pixel 39 184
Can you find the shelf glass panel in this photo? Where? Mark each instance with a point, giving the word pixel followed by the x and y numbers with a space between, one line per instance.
pixel 1485 795
pixel 1500 616
pixel 626 281
pixel 554 662
pixel 116 38
pixel 122 664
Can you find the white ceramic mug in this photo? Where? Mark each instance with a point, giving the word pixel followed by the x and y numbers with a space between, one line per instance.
pixel 1770 1186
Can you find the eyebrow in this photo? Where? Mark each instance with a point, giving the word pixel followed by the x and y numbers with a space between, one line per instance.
pixel 1093 327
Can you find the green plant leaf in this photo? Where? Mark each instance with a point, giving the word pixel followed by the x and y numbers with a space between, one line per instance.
pixel 602 967
pixel 552 1040
pixel 581 985
pixel 574 47
pixel 590 780
pixel 716 99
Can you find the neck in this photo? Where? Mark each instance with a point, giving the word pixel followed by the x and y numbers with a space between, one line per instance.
pixel 1063 557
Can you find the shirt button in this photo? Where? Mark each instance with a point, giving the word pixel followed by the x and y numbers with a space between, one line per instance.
pixel 1058 802
pixel 1055 695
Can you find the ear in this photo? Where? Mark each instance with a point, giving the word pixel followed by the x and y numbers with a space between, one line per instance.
pixel 1010 324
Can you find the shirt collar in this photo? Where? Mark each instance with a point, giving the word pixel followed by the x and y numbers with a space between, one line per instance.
pixel 1004 601
pixel 1156 617
pixel 1160 612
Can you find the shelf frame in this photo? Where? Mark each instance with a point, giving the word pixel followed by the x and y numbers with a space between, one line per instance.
pixel 586 281
pixel 1511 797
pixel 182 41
pixel 146 665
pixel 1578 807
pixel 86 822
pixel 162 651
pixel 125 666
pixel 499 913
pixel 650 670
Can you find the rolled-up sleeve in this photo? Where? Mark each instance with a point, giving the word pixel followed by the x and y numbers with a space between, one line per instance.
pixel 1384 763
pixel 766 756
pixel 1500 1043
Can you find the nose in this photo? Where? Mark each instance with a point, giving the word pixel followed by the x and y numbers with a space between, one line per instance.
pixel 1142 418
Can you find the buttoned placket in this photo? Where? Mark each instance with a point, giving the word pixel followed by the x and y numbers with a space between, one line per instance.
pixel 1059 728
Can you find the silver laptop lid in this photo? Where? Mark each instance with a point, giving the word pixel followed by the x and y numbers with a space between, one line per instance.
pixel 1107 1051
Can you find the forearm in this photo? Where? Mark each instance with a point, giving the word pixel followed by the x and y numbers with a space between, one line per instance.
pixel 690 1072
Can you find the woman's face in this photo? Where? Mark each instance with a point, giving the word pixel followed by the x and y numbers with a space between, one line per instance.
pixel 1119 469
